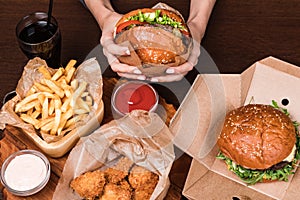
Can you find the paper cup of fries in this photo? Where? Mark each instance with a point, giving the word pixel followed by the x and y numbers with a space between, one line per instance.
pixel 55 107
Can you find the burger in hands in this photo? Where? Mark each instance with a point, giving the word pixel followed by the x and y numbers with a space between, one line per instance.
pixel 260 143
pixel 157 39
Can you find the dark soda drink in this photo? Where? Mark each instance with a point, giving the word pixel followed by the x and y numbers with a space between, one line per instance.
pixel 38 32
pixel 40 39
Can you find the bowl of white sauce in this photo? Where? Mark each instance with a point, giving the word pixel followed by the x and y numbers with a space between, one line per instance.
pixel 25 172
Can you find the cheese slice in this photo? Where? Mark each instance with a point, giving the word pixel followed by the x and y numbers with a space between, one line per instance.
pixel 291 157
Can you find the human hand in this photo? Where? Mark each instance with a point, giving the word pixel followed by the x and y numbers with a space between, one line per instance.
pixel 177 73
pixel 111 50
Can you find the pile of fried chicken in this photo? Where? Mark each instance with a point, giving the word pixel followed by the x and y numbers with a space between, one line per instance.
pixel 123 181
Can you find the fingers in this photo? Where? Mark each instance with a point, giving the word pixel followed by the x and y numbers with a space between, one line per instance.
pixel 112 50
pixel 168 78
pixel 123 68
pixel 133 76
pixel 110 46
pixel 177 73
pixel 181 69
pixel 127 71
pixel 187 66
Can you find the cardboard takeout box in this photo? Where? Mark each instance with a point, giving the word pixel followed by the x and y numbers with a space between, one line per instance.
pixel 199 120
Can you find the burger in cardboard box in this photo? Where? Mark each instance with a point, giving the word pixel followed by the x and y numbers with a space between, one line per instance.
pixel 215 95
pixel 260 143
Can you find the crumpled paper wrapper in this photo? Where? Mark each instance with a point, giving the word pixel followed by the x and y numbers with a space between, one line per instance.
pixel 89 71
pixel 141 136
pixel 150 69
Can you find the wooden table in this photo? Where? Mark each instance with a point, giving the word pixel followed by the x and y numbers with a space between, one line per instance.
pixel 238 34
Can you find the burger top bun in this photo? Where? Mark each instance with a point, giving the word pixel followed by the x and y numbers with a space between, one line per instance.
pixel 257 136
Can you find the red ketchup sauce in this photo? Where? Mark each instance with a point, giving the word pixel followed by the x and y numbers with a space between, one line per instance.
pixel 135 95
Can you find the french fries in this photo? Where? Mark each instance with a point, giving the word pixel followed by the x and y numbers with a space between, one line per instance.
pixel 57 102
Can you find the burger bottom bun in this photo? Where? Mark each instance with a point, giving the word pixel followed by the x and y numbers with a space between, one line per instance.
pixel 148 69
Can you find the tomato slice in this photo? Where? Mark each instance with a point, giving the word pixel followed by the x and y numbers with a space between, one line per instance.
pixel 128 23
pixel 186 33
pixel 137 22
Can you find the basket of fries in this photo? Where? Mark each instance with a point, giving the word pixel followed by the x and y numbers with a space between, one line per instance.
pixel 55 107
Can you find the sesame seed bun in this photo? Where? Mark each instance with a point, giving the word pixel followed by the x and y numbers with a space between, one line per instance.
pixel 257 136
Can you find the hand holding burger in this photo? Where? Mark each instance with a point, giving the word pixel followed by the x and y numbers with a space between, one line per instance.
pixel 107 19
pixel 156 38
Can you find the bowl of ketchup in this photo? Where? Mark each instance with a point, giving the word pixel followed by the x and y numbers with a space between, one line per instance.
pixel 134 95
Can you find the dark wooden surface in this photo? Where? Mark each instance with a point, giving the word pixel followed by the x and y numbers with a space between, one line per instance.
pixel 238 34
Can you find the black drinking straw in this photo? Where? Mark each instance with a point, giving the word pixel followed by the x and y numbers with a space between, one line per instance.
pixel 49 12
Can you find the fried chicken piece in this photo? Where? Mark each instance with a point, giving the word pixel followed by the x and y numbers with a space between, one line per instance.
pixel 145 191
pixel 143 182
pixel 89 185
pixel 140 176
pixel 125 185
pixel 121 191
pixel 118 172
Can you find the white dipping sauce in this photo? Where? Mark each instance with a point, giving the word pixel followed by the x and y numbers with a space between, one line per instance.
pixel 25 172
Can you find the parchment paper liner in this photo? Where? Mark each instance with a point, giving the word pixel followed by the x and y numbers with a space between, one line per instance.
pixel 56 146
pixel 141 136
